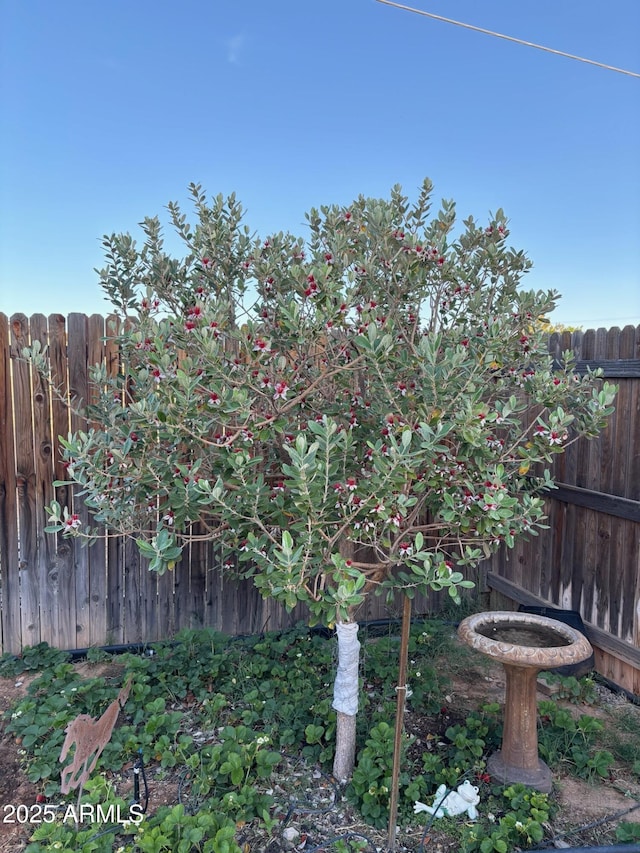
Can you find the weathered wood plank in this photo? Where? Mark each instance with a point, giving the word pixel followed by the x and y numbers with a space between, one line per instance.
pixel 115 545
pixel 204 559
pixel 115 591
pixel 569 559
pixel 43 486
pixel 629 457
pixel 615 469
pixel 11 637
pixel 149 589
pixel 97 553
pixel 617 672
pixel 597 501
pixel 565 585
pixel 557 532
pixel 612 368
pixel 182 592
pixel 200 559
pixel 542 555
pixel 62 576
pixel 632 601
pixel 210 566
pixel 274 616
pixel 596 555
pixel 230 621
pixel 216 587
pixel 77 354
pixel 604 479
pixel 249 609
pixel 166 614
pixel 134 604
pixel 25 480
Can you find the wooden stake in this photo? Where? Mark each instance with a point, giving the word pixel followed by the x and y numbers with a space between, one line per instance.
pixel 400 705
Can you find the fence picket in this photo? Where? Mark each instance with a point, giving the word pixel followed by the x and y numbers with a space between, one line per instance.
pixel 43 490
pixel 97 553
pixel 11 633
pixel 77 354
pixel 25 481
pixel 63 573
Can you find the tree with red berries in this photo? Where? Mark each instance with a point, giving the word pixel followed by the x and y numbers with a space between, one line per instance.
pixel 370 410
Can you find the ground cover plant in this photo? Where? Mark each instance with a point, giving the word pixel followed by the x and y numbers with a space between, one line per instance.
pixel 239 736
pixel 372 409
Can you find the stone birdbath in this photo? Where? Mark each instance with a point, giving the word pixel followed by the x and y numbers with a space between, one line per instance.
pixel 524 643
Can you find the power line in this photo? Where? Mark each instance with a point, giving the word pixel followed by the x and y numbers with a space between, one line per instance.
pixel 508 38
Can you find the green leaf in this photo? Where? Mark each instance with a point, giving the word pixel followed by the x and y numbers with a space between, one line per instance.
pixel 287 542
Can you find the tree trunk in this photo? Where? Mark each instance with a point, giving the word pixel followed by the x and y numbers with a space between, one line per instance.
pixel 345 756
pixel 345 699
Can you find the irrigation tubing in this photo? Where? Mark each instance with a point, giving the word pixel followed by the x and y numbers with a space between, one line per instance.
pixel 138 772
pixel 602 848
pixel 149 647
pixel 346 837
pixel 550 843
pixel 370 626
pixel 429 823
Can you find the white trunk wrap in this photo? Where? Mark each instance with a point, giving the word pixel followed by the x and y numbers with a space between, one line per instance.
pixel 345 688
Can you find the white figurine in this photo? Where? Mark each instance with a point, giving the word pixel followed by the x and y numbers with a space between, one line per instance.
pixel 465 799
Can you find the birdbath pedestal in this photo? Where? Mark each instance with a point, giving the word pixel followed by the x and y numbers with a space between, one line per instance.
pixel 525 644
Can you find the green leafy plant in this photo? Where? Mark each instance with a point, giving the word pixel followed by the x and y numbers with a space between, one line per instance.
pixel 62 837
pixel 370 785
pixel 437 772
pixel 371 781
pixel 350 845
pixel 467 741
pixel 178 832
pixel 487 721
pixel 628 833
pixel 562 738
pixel 103 816
pixel 229 769
pixel 578 690
pixel 32 659
pixel 520 828
pixel 379 664
pixel 620 735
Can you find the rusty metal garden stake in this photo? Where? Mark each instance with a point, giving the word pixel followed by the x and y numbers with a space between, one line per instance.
pixel 400 704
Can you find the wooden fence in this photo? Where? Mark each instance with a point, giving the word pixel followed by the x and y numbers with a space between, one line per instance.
pixel 54 590
pixel 589 558
pixel 72 597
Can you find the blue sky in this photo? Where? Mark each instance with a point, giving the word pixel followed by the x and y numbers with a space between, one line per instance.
pixel 109 110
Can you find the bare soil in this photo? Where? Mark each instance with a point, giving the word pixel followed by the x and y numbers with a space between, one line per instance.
pixel 15 788
pixel 588 814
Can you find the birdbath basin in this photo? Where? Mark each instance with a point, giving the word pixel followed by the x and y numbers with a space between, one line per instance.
pixel 524 643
